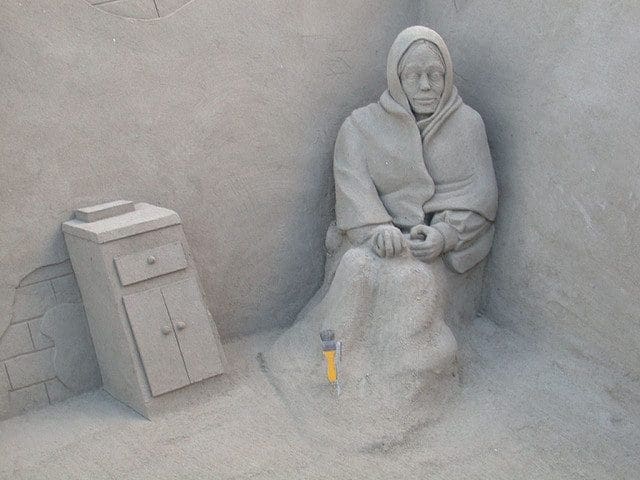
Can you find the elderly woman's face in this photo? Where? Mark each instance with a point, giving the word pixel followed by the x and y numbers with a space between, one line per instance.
pixel 422 78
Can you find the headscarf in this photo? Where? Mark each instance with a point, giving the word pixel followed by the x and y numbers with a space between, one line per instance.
pixel 449 101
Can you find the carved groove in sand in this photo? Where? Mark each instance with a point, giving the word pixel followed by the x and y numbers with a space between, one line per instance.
pixel 139 9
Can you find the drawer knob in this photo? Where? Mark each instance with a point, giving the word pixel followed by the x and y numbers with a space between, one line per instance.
pixel 181 325
pixel 166 330
pixel 151 259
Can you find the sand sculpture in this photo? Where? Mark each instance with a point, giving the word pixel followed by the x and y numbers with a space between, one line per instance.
pixel 152 333
pixel 415 196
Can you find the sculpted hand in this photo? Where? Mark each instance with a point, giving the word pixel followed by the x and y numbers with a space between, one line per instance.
pixel 388 241
pixel 426 242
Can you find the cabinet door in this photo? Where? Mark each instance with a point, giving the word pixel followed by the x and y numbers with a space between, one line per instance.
pixel 197 342
pixel 156 341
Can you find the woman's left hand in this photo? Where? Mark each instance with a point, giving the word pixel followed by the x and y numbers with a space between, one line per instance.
pixel 426 242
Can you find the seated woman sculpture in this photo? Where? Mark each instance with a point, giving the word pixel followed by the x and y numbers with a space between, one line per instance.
pixel 415 195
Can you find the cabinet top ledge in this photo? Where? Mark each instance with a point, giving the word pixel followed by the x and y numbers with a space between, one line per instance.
pixel 123 219
pixel 104 210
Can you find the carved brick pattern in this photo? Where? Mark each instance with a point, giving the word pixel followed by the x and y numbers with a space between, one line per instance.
pixel 26 360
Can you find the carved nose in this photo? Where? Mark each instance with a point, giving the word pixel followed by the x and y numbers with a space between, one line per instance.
pixel 424 83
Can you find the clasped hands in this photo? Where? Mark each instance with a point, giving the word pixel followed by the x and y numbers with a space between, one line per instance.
pixel 425 243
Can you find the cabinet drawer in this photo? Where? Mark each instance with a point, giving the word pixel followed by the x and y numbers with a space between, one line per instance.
pixel 150 263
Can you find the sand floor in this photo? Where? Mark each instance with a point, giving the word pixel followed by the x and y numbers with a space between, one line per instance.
pixel 525 411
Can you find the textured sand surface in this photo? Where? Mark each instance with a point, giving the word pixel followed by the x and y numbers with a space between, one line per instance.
pixel 522 412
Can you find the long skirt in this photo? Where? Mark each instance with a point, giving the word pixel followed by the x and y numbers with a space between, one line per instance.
pixel 398 361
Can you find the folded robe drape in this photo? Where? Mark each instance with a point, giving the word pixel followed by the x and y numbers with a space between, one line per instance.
pixel 390 168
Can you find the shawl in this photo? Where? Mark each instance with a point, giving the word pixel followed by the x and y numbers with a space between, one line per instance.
pixel 387 168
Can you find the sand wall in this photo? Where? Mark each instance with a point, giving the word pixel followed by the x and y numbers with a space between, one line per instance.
pixel 556 83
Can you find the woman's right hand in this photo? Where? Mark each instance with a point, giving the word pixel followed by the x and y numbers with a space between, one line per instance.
pixel 388 241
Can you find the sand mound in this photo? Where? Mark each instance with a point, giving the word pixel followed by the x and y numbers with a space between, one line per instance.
pixel 398 367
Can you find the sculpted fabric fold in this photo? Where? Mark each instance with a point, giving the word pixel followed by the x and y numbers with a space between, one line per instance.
pixel 390 168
